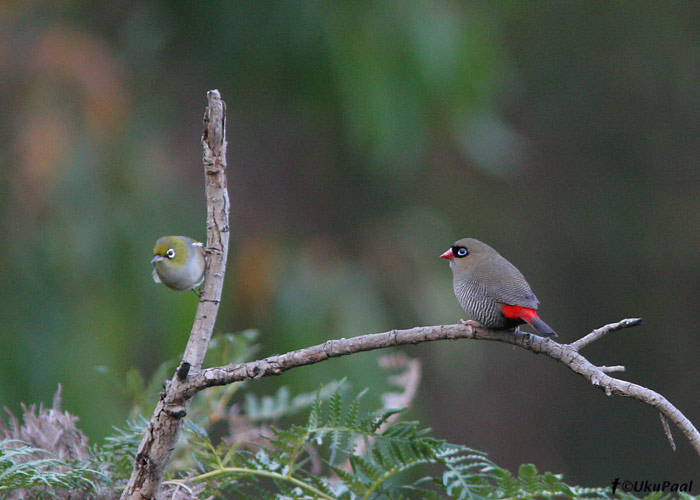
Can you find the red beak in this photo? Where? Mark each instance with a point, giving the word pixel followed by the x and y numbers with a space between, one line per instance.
pixel 448 254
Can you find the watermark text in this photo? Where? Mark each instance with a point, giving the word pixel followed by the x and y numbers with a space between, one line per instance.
pixel 646 486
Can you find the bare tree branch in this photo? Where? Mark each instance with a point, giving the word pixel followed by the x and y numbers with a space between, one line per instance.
pixel 155 450
pixel 565 353
pixel 604 330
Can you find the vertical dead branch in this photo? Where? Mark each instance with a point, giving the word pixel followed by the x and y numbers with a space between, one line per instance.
pixel 158 443
pixel 214 159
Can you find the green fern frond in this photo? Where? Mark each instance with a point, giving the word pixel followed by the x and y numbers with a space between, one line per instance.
pixel 529 478
pixel 24 466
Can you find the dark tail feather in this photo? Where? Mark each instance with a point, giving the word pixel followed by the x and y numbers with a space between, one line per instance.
pixel 542 328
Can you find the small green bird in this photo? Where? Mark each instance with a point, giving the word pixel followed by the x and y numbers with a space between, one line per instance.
pixel 178 262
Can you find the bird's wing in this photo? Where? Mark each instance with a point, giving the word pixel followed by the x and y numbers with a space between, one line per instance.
pixel 507 285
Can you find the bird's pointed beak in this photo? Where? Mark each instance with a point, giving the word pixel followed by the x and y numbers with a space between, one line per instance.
pixel 156 258
pixel 448 254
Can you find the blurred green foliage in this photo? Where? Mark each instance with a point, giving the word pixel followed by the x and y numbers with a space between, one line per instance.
pixel 364 137
pixel 339 451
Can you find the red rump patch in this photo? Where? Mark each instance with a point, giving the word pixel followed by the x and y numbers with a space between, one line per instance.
pixel 524 313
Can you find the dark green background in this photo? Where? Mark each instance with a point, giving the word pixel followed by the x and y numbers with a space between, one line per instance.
pixel 364 138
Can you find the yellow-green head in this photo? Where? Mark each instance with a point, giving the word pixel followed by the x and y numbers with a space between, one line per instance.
pixel 178 262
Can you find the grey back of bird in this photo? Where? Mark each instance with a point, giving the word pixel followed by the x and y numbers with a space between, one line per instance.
pixel 484 280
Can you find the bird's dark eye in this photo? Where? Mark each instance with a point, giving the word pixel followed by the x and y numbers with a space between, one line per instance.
pixel 170 253
pixel 460 252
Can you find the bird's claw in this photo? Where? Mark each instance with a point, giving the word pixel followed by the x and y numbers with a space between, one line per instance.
pixel 471 322
pixel 519 333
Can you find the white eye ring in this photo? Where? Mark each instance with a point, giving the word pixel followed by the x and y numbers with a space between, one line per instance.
pixel 461 252
pixel 170 253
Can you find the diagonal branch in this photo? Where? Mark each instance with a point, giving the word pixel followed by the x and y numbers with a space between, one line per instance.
pixel 156 448
pixel 604 330
pixel 564 353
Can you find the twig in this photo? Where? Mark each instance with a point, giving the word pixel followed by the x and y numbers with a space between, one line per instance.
pixel 176 492
pixel 604 330
pixel 564 353
pixel 667 431
pixel 612 369
pixel 155 451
